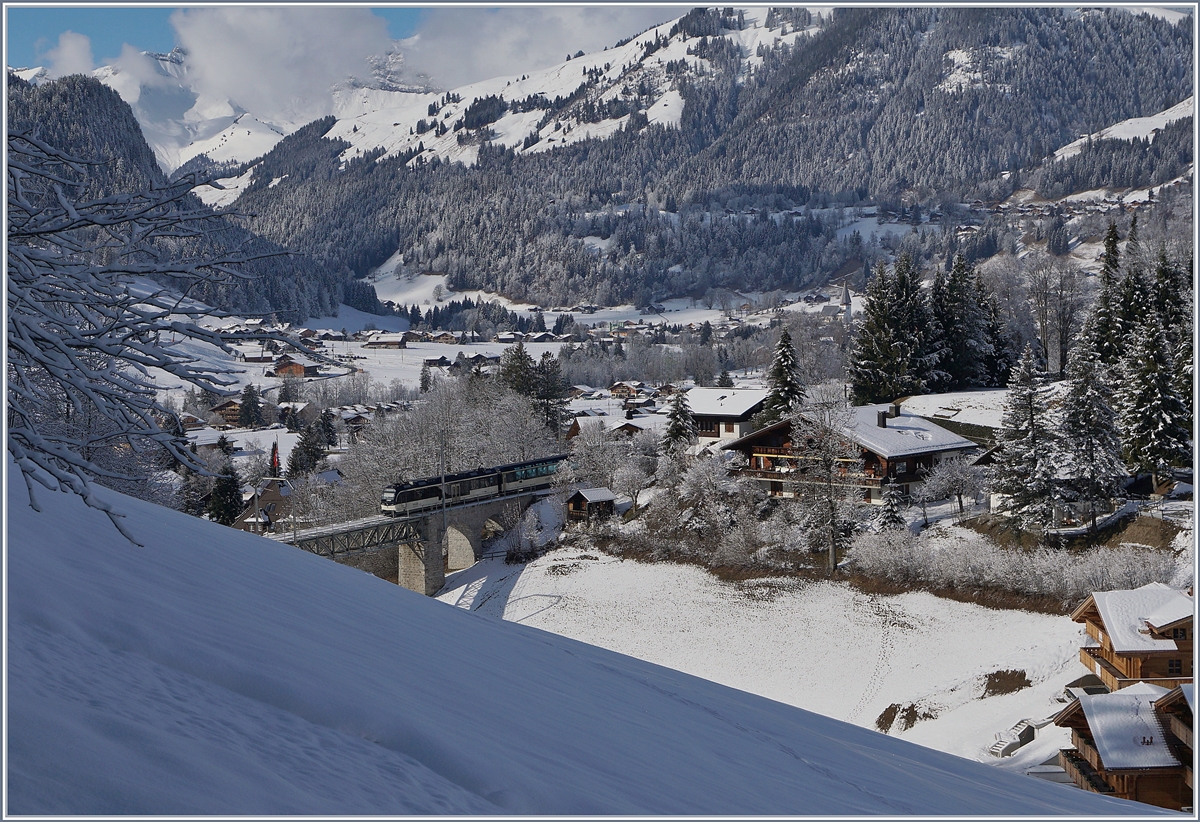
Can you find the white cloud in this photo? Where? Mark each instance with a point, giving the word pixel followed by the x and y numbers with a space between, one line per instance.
pixel 72 55
pixel 459 46
pixel 277 62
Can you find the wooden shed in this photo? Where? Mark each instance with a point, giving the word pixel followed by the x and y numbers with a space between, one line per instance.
pixel 591 503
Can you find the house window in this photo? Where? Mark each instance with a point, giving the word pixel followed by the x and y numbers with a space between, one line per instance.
pixel 1179 633
pixel 728 428
pixel 900 467
pixel 706 426
pixel 1174 667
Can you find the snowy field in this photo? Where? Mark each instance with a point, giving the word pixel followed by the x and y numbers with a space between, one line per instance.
pixel 819 646
pixel 217 672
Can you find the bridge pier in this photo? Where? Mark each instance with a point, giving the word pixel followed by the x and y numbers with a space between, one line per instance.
pixel 421 565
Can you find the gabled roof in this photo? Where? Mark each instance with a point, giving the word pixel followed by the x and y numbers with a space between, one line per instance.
pixel 724 402
pixel 596 494
pixel 1126 729
pixel 904 435
pixel 1124 614
pixel 1171 613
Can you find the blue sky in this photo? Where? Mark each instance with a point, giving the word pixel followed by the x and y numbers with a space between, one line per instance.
pixel 32 31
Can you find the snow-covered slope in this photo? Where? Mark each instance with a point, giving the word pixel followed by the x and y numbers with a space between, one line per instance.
pixel 215 672
pixel 1135 127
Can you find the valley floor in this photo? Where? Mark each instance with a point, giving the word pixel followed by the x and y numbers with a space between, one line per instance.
pixel 822 646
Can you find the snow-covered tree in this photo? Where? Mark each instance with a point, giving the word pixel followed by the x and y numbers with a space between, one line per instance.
pixel 824 455
pixel 959 328
pixel 891 512
pixel 785 389
pixel 1151 416
pixel 1103 324
pixel 250 412
pixel 307 453
pixel 681 426
pixel 80 345
pixel 550 392
pixel 890 357
pixel 954 477
pixel 1024 467
pixel 1090 464
pixel 426 379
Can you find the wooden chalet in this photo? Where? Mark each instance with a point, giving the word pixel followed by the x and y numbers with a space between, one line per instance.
pixel 724 413
pixel 591 503
pixel 1120 747
pixel 895 448
pixel 1175 711
pixel 289 366
pixel 1139 635
pixel 626 389
pixel 228 411
pixel 191 422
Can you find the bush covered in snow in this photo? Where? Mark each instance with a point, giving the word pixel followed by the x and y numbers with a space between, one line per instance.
pixel 959 558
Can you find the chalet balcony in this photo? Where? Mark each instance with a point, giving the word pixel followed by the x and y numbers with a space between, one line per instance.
pixel 1086 750
pixel 1114 679
pixel 1081 773
pixel 1182 732
pixel 777 475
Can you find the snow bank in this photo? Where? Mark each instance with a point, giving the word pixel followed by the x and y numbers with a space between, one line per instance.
pixel 216 672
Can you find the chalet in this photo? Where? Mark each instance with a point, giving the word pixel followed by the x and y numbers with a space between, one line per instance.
pixel 1142 635
pixel 634 423
pixel 580 391
pixel 228 411
pixel 1175 710
pixel 638 402
pixel 388 341
pixel 895 447
pixel 447 337
pixel 266 505
pixel 582 417
pixel 190 422
pixel 665 390
pixel 436 362
pixel 724 413
pixel 626 389
pixel 1120 747
pixel 294 366
pixel 306 412
pixel 591 503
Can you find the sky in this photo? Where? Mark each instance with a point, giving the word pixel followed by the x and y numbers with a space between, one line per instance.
pixel 452 46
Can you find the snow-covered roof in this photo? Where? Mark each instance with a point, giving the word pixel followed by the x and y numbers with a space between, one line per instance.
pixel 904 435
pixel 1170 612
pixel 596 494
pixel 1126 728
pixel 646 422
pixel 724 402
pixel 1124 615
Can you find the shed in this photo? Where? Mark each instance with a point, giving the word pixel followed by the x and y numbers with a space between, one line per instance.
pixel 588 503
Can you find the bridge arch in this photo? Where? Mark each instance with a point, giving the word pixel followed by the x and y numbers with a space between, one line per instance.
pixel 463 542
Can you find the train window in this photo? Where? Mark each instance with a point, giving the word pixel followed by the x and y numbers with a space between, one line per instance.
pixel 389 496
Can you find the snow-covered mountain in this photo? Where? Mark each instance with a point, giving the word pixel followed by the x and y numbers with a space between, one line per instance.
pixel 217 672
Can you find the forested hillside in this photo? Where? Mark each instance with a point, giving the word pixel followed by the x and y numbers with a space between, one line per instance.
pixel 88 120
pixel 885 106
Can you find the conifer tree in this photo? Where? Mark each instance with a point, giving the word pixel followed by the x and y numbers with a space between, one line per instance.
pixel 1090 449
pixel 1151 415
pixel 550 395
pixel 307 453
pixel 961 325
pixel 325 425
pixel 681 426
pixel 1024 466
pixel 426 379
pixel 225 504
pixel 724 380
pixel 880 364
pixel 785 390
pixel 1104 323
pixel 250 414
pixel 996 365
pixel 891 512
pixel 518 370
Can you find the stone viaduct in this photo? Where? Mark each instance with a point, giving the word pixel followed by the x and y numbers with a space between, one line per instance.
pixel 417 552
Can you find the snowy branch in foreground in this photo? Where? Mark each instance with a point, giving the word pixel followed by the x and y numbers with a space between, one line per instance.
pixel 81 346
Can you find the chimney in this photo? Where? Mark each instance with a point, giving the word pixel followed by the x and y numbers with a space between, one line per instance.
pixel 881 418
pixel 895 410
pixel 629 414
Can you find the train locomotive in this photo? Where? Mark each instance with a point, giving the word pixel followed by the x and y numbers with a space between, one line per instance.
pixel 409 498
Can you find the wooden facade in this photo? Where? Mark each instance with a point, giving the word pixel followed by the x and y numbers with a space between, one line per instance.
pixel 1144 763
pixel 591 503
pixel 1124 654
